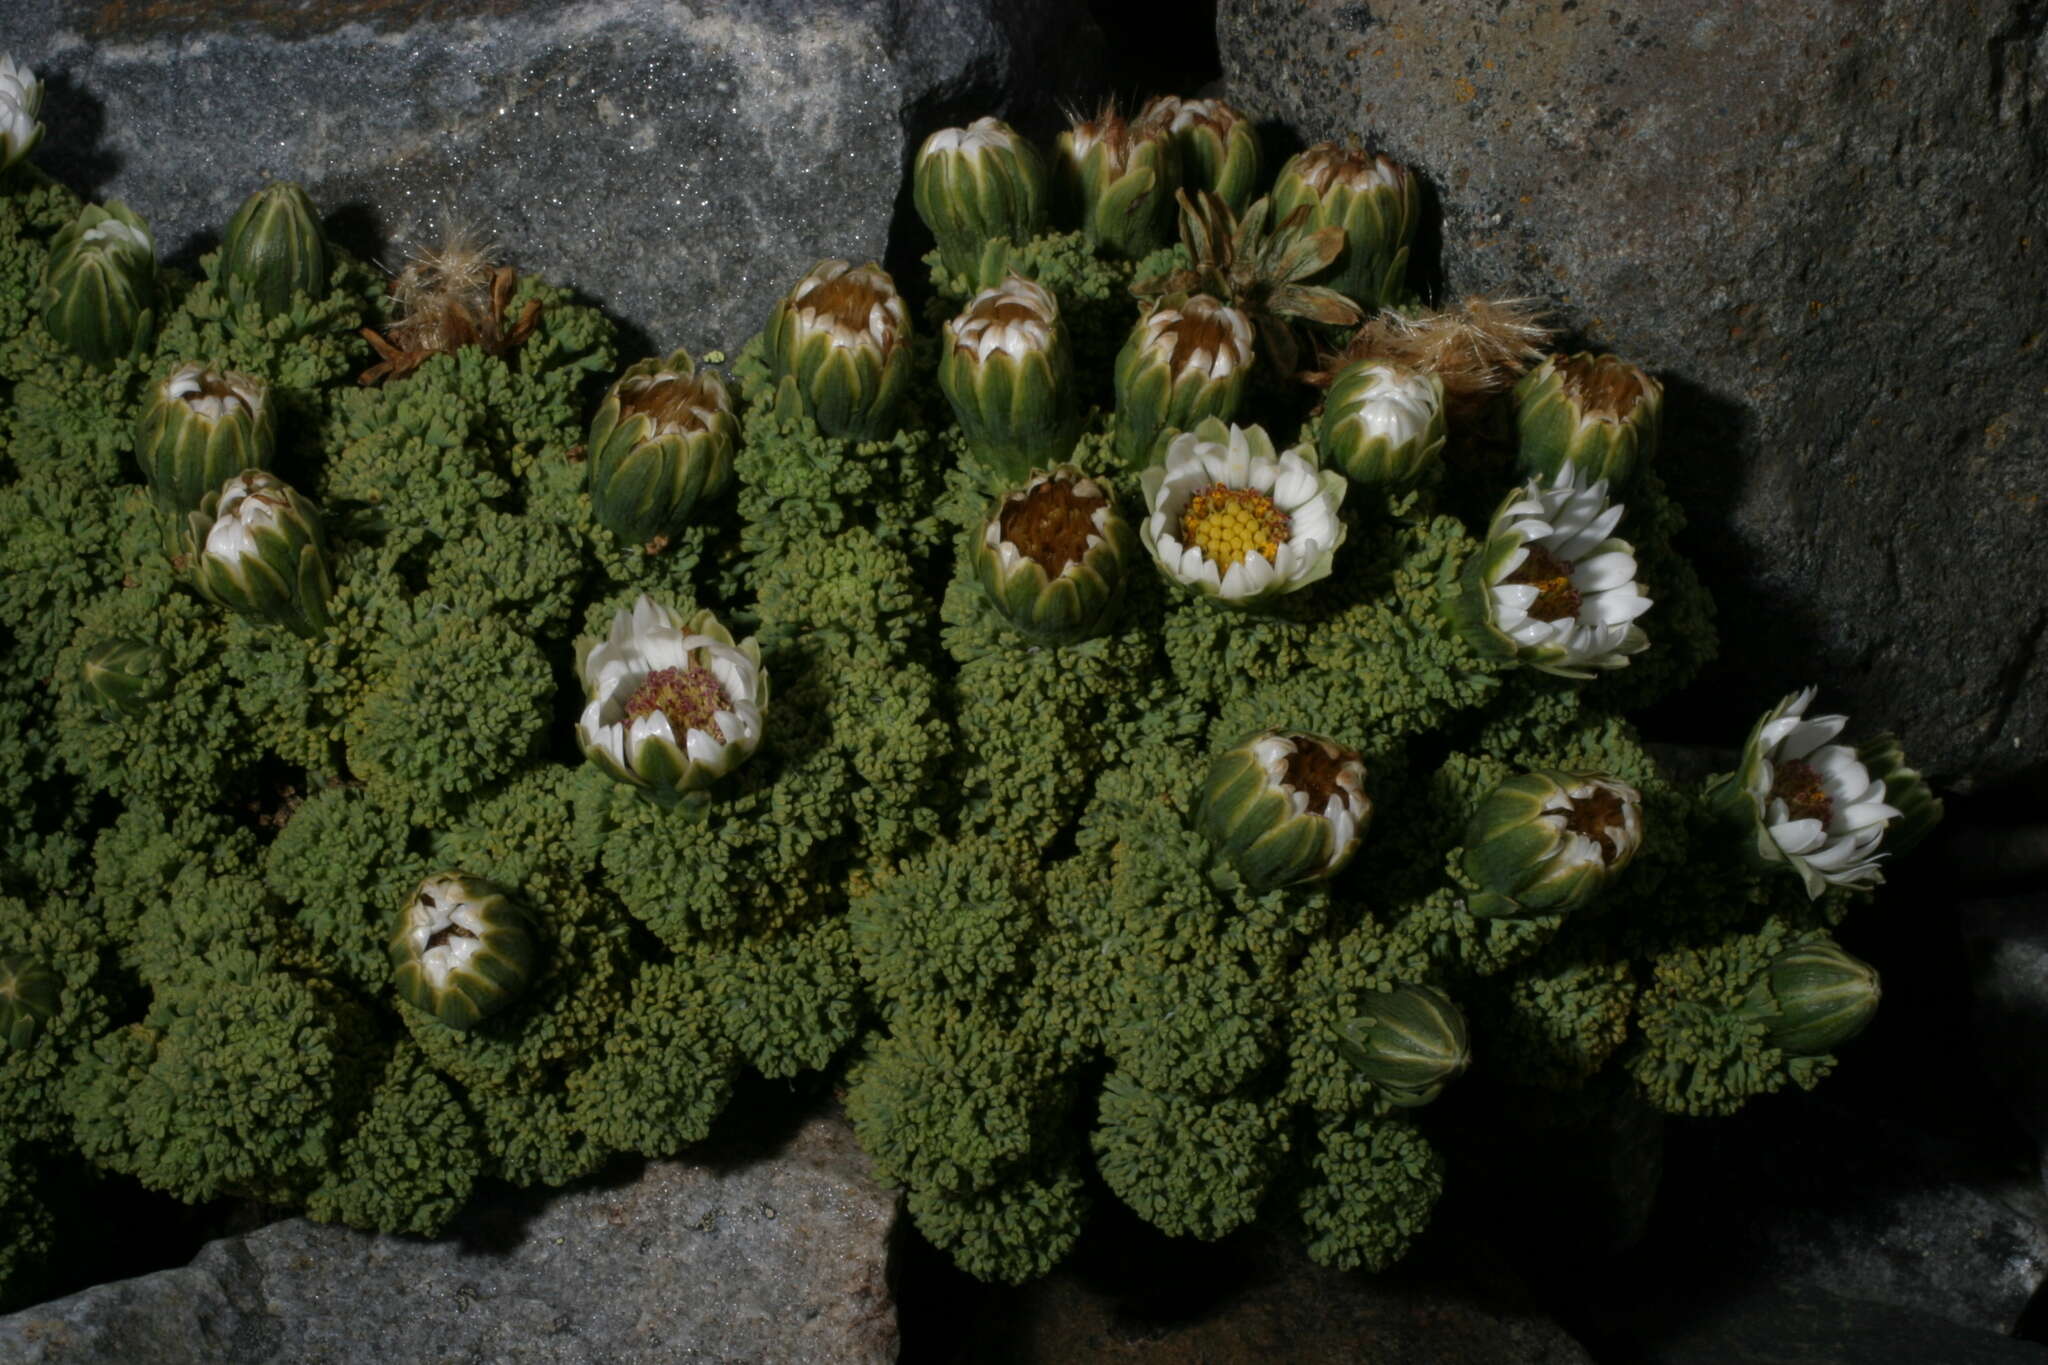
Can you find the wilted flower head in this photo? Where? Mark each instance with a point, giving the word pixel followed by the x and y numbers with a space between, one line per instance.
pixel 1559 587
pixel 672 703
pixel 21 101
pixel 1236 522
pixel 1815 805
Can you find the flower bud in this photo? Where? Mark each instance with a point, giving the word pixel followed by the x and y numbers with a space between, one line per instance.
pixel 464 949
pixel 256 547
pixel 1007 371
pixel 1597 414
pixel 21 100
pixel 842 336
pixel 671 704
pixel 1116 179
pixel 1383 425
pixel 273 250
pixel 1545 843
pixel 1052 557
pixel 974 184
pixel 1373 199
pixel 1813 998
pixel 661 443
pixel 1218 148
pixel 1410 1046
pixel 123 676
pixel 200 428
pixel 1905 790
pixel 30 993
pixel 1283 808
pixel 1186 359
pixel 99 285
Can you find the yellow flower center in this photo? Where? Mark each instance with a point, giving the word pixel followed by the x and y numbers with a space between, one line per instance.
pixel 1227 524
pixel 690 698
pixel 1800 787
pixel 1556 598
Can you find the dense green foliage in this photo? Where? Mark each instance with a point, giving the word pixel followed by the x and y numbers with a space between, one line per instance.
pixel 960 866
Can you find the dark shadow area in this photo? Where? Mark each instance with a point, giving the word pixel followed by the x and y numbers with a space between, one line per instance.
pixel 74 125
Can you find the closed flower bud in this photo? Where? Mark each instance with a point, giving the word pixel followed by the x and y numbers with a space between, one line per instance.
pixel 1596 414
pixel 464 950
pixel 21 101
pixel 1545 843
pixel 30 993
pixel 1410 1046
pixel 1053 555
pixel 1218 147
pixel 671 704
pixel 1905 790
pixel 974 184
pixel 1283 808
pixel 256 547
pixel 1373 199
pixel 1007 371
pixel 661 443
pixel 842 336
pixel 99 286
pixel 122 677
pixel 1116 179
pixel 1382 425
pixel 1813 998
pixel 200 427
pixel 1186 359
pixel 274 249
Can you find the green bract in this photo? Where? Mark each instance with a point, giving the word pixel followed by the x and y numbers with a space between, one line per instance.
pixel 274 250
pixel 1116 180
pixel 1053 555
pixel 1545 843
pixel 1185 361
pixel 255 545
pixel 464 950
pixel 30 993
pixel 1006 368
pixel 1594 415
pixel 123 676
pixel 1410 1046
pixel 841 338
pixel 1813 998
pixel 1373 199
pixel 974 184
pixel 661 444
pixel 99 287
pixel 1284 808
pixel 671 703
pixel 1218 147
pixel 1382 426
pixel 200 427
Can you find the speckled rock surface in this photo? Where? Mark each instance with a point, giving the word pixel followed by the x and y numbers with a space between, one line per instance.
pixel 1822 224
pixel 680 163
pixel 782 1258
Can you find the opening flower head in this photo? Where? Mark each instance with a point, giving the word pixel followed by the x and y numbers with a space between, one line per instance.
pixel 1197 336
pixel 1326 165
pixel 1283 807
pixel 21 101
pixel 212 395
pixel 1544 843
pixel 1559 588
pixel 1052 556
pixel 1236 522
pixel 851 306
pixel 1016 318
pixel 1814 803
pixel 672 703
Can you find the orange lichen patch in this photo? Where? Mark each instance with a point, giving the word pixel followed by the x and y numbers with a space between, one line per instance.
pixel 1556 598
pixel 1052 524
pixel 690 697
pixel 1226 524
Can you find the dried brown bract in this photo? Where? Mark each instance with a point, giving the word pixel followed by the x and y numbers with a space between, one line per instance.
pixel 1478 348
pixel 448 299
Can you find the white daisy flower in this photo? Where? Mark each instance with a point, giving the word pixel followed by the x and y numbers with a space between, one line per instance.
pixel 1815 804
pixel 673 704
pixel 1235 522
pixel 21 100
pixel 1559 587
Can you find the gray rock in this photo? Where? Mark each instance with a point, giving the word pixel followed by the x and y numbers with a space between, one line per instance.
pixel 2008 944
pixel 783 1258
pixel 1280 1307
pixel 1806 1326
pixel 1821 224
pixel 681 164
